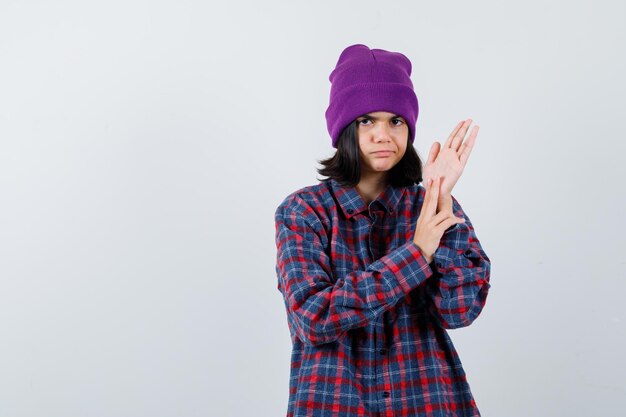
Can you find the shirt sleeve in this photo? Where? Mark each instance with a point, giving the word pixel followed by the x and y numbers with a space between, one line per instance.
pixel 321 307
pixel 457 292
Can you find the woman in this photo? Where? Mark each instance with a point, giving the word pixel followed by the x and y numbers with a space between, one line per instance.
pixel 373 267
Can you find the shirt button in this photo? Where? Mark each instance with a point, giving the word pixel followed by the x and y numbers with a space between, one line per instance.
pixel 340 283
pixel 350 211
pixel 439 265
pixel 468 252
pixel 386 394
pixel 383 351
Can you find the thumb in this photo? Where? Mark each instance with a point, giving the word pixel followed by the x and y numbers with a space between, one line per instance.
pixel 434 151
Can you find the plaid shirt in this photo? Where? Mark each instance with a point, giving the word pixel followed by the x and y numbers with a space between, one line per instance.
pixel 366 313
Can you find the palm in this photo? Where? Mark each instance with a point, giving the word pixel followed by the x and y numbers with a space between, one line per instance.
pixel 449 162
pixel 447 166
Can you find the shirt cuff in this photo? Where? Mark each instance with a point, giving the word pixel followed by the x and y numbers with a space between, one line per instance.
pixel 405 267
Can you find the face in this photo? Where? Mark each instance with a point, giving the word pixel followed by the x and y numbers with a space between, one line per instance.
pixel 383 139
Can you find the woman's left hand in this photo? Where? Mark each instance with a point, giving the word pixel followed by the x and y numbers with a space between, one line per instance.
pixel 449 162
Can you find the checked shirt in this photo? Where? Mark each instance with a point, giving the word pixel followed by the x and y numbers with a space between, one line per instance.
pixel 367 314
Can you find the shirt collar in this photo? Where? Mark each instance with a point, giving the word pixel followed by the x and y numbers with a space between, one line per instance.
pixel 352 203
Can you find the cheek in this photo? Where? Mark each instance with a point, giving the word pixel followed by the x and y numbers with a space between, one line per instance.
pixel 401 152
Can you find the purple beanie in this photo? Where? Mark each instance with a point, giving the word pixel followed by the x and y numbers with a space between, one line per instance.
pixel 368 80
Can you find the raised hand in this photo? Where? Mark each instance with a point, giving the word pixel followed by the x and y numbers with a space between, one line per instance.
pixel 448 162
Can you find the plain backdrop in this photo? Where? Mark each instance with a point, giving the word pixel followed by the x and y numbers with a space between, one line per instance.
pixel 144 147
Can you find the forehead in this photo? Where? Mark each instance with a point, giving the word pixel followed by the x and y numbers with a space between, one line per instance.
pixel 380 115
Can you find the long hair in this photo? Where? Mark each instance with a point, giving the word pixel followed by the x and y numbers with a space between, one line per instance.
pixel 345 165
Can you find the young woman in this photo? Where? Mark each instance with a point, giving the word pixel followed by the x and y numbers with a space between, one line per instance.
pixel 374 267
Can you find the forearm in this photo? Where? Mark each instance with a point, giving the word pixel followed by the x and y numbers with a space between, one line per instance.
pixel 459 289
pixel 444 202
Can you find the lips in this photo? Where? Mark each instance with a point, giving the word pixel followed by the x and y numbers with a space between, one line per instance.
pixel 381 153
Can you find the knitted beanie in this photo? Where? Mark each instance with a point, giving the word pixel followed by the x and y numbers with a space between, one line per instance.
pixel 368 80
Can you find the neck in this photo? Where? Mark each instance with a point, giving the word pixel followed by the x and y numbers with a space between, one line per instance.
pixel 371 185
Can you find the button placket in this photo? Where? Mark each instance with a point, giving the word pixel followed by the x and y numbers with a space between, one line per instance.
pixel 369 238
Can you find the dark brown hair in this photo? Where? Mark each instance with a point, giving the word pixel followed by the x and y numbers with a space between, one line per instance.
pixel 345 165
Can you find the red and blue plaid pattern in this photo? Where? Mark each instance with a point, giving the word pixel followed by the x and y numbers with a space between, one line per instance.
pixel 366 312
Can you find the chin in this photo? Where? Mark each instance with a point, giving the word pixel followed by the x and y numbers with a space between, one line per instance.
pixel 382 167
pixel 388 165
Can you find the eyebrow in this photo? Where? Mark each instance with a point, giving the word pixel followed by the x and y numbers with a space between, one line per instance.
pixel 369 116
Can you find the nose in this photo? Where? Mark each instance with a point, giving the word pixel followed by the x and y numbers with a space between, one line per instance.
pixel 382 133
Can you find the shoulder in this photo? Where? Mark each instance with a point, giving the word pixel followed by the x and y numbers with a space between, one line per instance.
pixel 308 201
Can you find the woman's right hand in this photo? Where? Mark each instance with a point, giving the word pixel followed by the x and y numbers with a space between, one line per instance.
pixel 430 224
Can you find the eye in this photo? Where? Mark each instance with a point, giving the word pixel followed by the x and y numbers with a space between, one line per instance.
pixel 398 120
pixel 363 120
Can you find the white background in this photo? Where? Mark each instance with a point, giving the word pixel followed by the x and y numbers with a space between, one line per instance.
pixel 144 146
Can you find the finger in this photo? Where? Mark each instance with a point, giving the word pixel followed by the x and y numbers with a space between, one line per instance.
pixel 426 205
pixel 468 145
pixel 454 132
pixel 434 196
pixel 447 222
pixel 460 134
